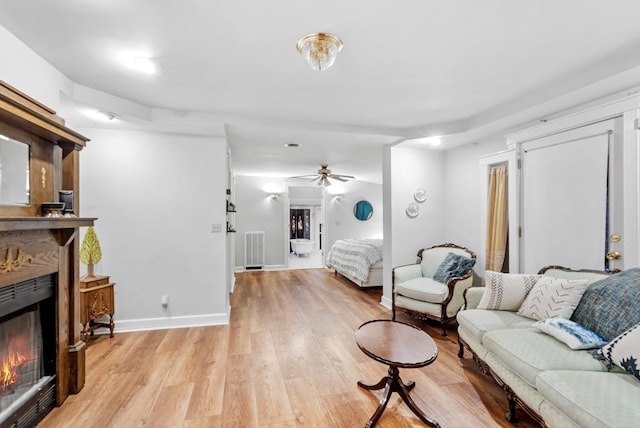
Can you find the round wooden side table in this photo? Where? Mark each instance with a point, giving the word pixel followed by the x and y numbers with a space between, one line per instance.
pixel 396 344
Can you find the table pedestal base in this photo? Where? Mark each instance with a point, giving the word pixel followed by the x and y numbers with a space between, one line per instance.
pixel 392 383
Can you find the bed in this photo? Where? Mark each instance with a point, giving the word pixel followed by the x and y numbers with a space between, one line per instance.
pixel 359 260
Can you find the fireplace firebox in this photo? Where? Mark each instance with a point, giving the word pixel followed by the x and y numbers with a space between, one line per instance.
pixel 27 351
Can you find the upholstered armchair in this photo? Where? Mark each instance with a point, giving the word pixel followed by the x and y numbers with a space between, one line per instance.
pixel 433 288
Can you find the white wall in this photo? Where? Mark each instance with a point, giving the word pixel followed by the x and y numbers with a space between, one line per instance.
pixel 156 197
pixel 26 71
pixel 257 211
pixel 340 223
pixel 463 195
pixel 413 169
pixel 405 171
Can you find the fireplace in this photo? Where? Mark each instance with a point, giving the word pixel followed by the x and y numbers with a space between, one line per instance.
pixel 27 351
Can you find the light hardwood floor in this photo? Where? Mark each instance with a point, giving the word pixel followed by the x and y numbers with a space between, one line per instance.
pixel 288 358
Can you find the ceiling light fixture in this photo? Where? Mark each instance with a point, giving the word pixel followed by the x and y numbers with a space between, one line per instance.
pixel 144 64
pixel 320 49
pixel 139 61
pixel 105 115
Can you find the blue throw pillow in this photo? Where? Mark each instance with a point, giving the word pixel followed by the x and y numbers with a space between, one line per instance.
pixel 610 306
pixel 452 266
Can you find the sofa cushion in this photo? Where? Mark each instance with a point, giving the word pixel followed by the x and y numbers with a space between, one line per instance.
pixel 571 333
pixel 624 351
pixel 529 352
pixel 424 289
pixel 453 265
pixel 552 297
pixel 479 321
pixel 593 399
pixel 610 306
pixel 506 292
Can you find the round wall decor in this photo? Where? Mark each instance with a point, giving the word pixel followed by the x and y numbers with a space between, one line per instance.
pixel 420 195
pixel 413 210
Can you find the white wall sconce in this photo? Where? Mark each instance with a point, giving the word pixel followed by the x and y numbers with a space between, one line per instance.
pixel 274 195
pixel 337 198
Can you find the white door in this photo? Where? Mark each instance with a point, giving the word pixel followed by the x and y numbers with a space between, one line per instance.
pixel 570 206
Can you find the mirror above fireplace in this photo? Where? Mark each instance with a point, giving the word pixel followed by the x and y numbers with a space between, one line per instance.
pixel 14 172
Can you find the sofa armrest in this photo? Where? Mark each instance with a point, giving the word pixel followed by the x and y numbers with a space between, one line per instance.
pixel 472 297
pixel 406 272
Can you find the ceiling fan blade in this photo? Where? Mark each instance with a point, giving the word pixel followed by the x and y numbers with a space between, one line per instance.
pixel 348 177
pixel 305 176
pixel 339 178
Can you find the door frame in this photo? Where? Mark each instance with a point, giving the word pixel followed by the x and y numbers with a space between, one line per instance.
pixel 508 158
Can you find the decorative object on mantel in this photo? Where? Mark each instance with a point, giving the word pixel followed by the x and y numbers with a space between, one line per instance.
pixel 90 252
pixel 320 50
pixel 413 210
pixel 66 196
pixel 52 209
pixel 420 195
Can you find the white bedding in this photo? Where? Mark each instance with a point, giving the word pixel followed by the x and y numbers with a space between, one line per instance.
pixel 354 257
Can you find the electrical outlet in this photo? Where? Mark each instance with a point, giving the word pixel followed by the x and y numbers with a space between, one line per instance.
pixel 216 228
pixel 165 300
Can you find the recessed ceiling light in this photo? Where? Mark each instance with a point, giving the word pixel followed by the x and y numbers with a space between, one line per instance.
pixel 434 141
pixel 292 145
pixel 103 116
pixel 144 64
pixel 139 61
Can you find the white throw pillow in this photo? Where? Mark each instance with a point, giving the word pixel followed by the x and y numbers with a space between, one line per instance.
pixel 552 298
pixel 571 333
pixel 506 291
pixel 624 351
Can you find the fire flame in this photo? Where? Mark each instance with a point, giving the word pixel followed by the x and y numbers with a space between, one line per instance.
pixel 9 365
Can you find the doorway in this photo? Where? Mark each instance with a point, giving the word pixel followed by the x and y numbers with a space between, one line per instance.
pixel 305 221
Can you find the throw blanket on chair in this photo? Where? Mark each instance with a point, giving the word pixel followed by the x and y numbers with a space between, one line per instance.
pixel 353 257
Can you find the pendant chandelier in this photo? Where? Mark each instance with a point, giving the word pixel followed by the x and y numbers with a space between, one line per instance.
pixel 320 49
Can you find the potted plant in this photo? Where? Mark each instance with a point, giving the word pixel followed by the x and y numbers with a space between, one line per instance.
pixel 90 253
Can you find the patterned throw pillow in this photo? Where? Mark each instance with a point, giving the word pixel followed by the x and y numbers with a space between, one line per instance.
pixel 610 306
pixel 452 266
pixel 571 333
pixel 506 291
pixel 624 351
pixel 552 297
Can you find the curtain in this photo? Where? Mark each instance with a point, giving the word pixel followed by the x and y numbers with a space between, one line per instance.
pixel 497 219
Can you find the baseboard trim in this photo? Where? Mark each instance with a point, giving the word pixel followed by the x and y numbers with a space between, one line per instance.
pixel 386 302
pixel 145 324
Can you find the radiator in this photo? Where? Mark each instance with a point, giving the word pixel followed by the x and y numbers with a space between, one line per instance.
pixel 253 250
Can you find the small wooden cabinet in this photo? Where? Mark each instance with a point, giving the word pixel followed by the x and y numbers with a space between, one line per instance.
pixel 96 301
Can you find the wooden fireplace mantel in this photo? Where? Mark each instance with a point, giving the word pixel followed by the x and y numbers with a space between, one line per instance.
pixel 35 245
pixel 35 223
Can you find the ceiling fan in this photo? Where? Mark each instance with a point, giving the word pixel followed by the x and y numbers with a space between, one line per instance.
pixel 324 174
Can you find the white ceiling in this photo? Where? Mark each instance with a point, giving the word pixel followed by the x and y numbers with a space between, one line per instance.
pixel 409 68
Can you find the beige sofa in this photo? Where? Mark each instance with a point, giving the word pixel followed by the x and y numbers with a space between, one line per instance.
pixel 556 385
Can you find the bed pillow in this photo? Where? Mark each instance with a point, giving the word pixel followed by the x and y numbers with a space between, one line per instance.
pixel 452 266
pixel 624 351
pixel 571 333
pixel 552 298
pixel 506 291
